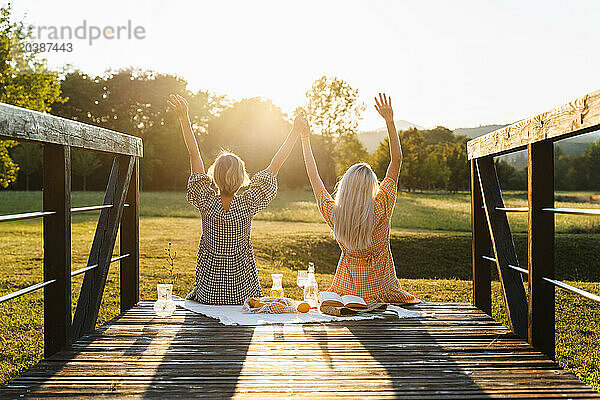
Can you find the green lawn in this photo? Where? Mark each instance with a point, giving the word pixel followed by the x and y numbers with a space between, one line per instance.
pixel 414 211
pixel 430 242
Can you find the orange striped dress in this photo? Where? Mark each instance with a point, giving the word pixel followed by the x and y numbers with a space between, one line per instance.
pixel 369 273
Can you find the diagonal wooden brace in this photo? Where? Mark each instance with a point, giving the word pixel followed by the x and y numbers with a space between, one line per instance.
pixel 90 296
pixel 503 245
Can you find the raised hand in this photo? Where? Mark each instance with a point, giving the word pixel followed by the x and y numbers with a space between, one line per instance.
pixel 383 105
pixel 301 125
pixel 179 104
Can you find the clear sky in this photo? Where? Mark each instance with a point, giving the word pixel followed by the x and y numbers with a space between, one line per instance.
pixel 457 63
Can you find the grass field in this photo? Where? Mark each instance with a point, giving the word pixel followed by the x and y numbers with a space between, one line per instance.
pixel 430 242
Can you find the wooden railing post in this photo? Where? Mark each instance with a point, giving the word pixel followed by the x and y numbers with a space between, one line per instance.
pixel 57 248
pixel 540 246
pixel 130 244
pixel 481 246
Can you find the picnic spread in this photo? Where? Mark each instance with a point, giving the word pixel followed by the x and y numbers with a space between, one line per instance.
pixel 282 311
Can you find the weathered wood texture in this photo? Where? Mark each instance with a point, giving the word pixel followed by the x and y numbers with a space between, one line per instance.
pixel 540 246
pixel 25 125
pixel 457 353
pixel 481 246
pixel 130 244
pixel 57 248
pixel 90 296
pixel 579 116
pixel 503 245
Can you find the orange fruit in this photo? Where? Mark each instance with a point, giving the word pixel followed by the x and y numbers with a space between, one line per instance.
pixel 303 307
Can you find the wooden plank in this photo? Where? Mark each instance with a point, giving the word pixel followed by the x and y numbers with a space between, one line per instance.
pixel 540 246
pixel 17 123
pixel 577 117
pixel 503 245
pixel 480 246
pixel 138 355
pixel 57 248
pixel 90 296
pixel 130 244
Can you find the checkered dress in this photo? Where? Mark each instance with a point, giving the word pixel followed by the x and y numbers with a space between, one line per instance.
pixel 369 273
pixel 225 267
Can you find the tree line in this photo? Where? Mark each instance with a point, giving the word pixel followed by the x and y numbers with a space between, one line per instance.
pixel 133 101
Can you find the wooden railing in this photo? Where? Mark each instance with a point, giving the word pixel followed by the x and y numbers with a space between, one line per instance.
pixel 533 320
pixel 120 208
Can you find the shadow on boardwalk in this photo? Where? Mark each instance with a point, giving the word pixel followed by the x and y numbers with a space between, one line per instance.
pixel 458 353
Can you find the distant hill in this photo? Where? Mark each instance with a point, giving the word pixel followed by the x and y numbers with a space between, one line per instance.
pixel 478 131
pixel 371 139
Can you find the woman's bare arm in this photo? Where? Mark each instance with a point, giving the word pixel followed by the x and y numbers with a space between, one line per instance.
pixel 180 105
pixel 309 160
pixel 285 150
pixel 383 105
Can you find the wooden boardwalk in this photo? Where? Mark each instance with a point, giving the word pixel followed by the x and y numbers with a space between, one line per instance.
pixel 456 353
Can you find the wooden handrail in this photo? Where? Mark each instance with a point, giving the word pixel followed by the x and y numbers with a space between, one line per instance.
pixel 17 123
pixel 58 136
pixel 577 117
pixel 537 135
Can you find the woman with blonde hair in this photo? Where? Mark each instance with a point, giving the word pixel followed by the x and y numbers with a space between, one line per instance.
pixel 360 218
pixel 225 267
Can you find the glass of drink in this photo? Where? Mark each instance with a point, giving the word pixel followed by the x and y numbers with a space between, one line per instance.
pixel 277 288
pixel 301 278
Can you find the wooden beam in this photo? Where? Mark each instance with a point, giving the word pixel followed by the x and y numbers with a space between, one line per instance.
pixel 130 244
pixel 17 123
pixel 57 248
pixel 579 116
pixel 88 305
pixel 481 247
pixel 504 247
pixel 540 246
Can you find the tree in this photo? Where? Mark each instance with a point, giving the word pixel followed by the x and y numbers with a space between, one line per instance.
pixel 458 163
pixel 24 82
pixel 381 158
pixel 133 101
pixel 349 151
pixel 333 107
pixel 334 110
pixel 8 168
pixel 435 171
pixel 84 163
pixel 439 134
pixel 413 157
pixel 29 157
pixel 592 161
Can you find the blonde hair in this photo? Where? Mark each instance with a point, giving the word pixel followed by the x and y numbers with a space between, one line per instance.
pixel 354 207
pixel 229 173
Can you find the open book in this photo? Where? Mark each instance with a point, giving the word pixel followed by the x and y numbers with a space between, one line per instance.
pixel 335 300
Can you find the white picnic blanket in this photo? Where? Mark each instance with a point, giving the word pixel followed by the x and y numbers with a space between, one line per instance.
pixel 233 315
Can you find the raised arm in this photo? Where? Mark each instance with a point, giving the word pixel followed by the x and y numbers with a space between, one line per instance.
pixel 285 149
pixel 383 105
pixel 309 159
pixel 180 105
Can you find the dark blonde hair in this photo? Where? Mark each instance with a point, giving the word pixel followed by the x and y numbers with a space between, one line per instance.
pixel 229 173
